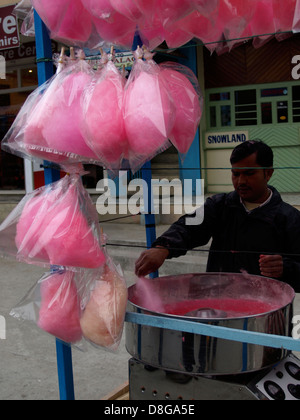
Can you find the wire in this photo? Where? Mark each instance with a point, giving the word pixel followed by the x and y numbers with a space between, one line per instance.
pixel 213 251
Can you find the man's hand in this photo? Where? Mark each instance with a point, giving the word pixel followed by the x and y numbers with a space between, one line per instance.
pixel 271 266
pixel 150 261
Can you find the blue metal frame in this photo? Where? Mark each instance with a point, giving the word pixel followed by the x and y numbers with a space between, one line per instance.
pixel 45 72
pixel 191 167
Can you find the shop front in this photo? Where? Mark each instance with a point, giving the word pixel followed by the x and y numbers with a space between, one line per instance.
pixel 253 94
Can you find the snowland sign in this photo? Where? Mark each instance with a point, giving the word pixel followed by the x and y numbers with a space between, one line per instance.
pixel 225 139
pixel 9 34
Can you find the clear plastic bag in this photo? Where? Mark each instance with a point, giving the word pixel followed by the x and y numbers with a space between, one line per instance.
pixel 188 99
pixel 53 304
pixel 67 20
pixel 48 125
pixel 55 225
pixel 86 306
pixel 148 112
pixel 104 299
pixel 102 122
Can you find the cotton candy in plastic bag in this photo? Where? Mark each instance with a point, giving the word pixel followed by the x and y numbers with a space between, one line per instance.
pixel 53 304
pixel 102 122
pixel 148 112
pixel 55 225
pixel 67 20
pixel 48 125
pixel 104 299
pixel 188 99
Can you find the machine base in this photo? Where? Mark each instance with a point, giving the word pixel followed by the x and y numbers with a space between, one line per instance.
pixel 281 382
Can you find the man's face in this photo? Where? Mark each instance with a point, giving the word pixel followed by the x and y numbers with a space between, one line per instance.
pixel 250 183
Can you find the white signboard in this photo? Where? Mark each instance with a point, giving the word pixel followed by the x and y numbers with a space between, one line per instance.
pixel 225 139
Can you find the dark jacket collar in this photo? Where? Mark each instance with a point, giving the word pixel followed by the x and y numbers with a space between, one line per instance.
pixel 233 199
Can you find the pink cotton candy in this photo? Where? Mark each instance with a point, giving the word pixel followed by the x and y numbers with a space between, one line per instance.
pixel 103 118
pixel 99 8
pixel 67 238
pixel 119 30
pixel 52 228
pixel 175 37
pixel 262 22
pixel 103 319
pixel 203 28
pixel 59 313
pixel 62 130
pixel 188 112
pixel 284 13
pixel 127 8
pixel 171 11
pixel 66 19
pixel 28 228
pixel 148 112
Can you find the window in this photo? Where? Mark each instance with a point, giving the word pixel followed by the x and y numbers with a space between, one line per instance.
pixel 213 116
pixel 245 107
pixel 296 104
pixel 266 113
pixel 226 115
pixel 282 112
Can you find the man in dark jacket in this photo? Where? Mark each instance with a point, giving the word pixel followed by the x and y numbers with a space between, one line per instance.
pixel 251 229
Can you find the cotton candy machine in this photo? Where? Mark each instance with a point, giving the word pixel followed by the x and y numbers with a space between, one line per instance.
pixel 238 301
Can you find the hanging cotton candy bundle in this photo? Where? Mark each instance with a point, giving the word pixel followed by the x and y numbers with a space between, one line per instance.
pixel 61 127
pixel 51 129
pixel 102 321
pixel 67 19
pixel 54 305
pixel 55 225
pixel 59 313
pixel 148 112
pixel 184 88
pixel 103 123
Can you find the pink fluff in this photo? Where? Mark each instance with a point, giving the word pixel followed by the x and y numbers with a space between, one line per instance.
pixel 59 313
pixel 127 8
pixel 102 321
pixel 203 28
pixel 100 8
pixel 28 228
pixel 62 130
pixel 103 117
pixel 52 229
pixel 284 13
pixel 66 19
pixel 119 30
pixel 68 239
pixel 188 112
pixel 171 11
pixel 148 114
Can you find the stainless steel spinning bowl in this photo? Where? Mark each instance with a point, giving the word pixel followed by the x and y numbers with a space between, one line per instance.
pixel 196 354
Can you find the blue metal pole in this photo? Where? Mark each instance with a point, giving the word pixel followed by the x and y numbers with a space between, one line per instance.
pixel 191 167
pixel 45 72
